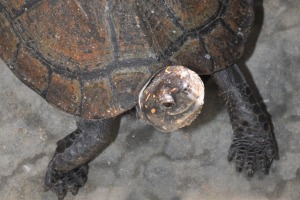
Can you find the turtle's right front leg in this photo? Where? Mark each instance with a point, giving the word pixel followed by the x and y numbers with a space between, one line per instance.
pixel 68 169
pixel 254 146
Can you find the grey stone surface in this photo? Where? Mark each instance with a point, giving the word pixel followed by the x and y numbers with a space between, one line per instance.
pixel 189 164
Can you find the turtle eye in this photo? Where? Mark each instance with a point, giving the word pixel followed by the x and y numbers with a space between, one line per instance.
pixel 166 101
pixel 168 104
pixel 185 87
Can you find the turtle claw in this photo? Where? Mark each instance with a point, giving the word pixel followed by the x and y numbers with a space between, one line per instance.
pixel 250 173
pixel 266 171
pixel 62 182
pixel 238 168
pixel 252 152
pixel 230 155
pixel 74 190
pixel 61 193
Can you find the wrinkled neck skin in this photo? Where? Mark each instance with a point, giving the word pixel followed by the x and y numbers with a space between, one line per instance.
pixel 171 99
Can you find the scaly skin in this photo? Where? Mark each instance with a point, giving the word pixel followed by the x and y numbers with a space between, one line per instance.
pixel 253 147
pixel 68 169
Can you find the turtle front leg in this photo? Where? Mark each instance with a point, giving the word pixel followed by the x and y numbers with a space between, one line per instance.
pixel 68 169
pixel 254 146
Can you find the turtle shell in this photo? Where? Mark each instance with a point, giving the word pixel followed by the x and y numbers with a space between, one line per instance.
pixel 92 58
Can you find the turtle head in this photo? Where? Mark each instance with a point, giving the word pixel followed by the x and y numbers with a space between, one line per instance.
pixel 171 99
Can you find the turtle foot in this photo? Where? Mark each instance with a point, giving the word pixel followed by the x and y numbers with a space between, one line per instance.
pixel 252 152
pixel 62 182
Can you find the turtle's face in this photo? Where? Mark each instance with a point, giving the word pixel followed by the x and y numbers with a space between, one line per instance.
pixel 172 98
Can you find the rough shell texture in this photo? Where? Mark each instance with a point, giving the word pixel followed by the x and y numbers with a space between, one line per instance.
pixel 91 58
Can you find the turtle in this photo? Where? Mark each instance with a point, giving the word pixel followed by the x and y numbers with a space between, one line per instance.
pixel 100 58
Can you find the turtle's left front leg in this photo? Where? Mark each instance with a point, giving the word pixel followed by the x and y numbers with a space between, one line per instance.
pixel 253 146
pixel 68 169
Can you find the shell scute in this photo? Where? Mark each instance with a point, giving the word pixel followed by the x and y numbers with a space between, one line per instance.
pixel 98 100
pixel 31 71
pixel 8 40
pixel 223 46
pixel 128 84
pixel 131 41
pixel 194 13
pixel 64 93
pixel 63 34
pixel 239 16
pixel 161 28
pixel 191 54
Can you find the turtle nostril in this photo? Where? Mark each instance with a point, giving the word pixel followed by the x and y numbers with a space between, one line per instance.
pixel 168 104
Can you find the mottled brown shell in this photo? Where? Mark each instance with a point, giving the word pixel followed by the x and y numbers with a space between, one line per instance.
pixel 91 58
